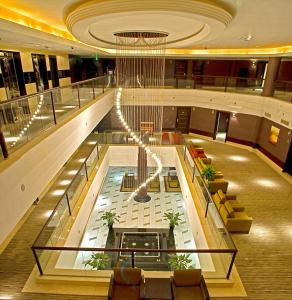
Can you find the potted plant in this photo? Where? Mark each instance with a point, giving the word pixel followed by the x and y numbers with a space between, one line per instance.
pixel 180 262
pixel 110 218
pixel 209 173
pixel 173 218
pixel 98 261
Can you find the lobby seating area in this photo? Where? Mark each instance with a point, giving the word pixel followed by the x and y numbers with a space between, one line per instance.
pixel 202 162
pixel 232 212
pixel 185 284
pixel 189 285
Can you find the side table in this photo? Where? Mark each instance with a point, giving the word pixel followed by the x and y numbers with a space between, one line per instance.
pixel 157 288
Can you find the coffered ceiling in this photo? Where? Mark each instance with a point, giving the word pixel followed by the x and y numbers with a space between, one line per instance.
pixel 195 27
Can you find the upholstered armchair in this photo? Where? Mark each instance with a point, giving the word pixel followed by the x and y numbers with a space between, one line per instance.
pixel 189 285
pixel 126 284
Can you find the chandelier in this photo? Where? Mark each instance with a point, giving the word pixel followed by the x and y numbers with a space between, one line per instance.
pixel 140 76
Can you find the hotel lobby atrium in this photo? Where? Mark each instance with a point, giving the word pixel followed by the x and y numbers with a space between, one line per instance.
pixel 145 149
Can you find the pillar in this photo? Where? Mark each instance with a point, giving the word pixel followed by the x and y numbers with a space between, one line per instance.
pixel 190 69
pixel 3 145
pixel 271 76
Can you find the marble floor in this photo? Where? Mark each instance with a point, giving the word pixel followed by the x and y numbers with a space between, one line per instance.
pixel 135 215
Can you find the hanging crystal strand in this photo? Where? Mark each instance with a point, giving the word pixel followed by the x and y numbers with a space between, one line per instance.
pixel 140 56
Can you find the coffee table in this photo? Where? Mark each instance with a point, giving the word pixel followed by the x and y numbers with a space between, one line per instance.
pixel 157 288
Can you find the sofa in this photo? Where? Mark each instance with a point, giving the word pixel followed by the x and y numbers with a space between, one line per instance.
pixel 232 213
pixel 188 285
pixel 219 199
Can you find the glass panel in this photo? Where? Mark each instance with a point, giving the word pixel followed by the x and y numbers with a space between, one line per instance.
pixel 91 161
pixel 76 186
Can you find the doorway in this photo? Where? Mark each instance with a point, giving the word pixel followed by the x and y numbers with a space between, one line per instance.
pixel 288 164
pixel 40 71
pixel 9 75
pixel 221 126
pixel 54 70
pixel 183 119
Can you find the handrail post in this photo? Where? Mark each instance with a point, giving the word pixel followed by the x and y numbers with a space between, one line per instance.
pixel 37 261
pixel 193 178
pixel 78 94
pixel 3 144
pixel 225 83
pixel 86 173
pixel 133 259
pixel 207 207
pixel 69 208
pixel 231 264
pixel 53 107
pixel 97 150
pixel 93 90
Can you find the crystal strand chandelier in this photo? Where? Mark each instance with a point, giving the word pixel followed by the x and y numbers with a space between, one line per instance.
pixel 140 76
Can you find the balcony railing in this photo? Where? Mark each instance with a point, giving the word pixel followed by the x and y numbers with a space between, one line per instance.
pixel 24 118
pixel 54 258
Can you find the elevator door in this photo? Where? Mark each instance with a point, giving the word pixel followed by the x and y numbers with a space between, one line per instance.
pixel 40 71
pixel 54 70
pixel 183 119
pixel 9 75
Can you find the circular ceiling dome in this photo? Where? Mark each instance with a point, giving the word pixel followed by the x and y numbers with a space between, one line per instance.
pixel 185 22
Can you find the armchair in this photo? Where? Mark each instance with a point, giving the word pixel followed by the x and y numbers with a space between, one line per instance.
pixel 189 285
pixel 126 283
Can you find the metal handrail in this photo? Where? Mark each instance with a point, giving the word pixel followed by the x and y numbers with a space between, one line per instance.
pixel 211 199
pixel 62 196
pixel 48 90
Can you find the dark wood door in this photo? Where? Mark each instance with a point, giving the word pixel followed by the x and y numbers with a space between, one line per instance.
pixel 54 70
pixel 288 163
pixel 183 119
pixel 180 69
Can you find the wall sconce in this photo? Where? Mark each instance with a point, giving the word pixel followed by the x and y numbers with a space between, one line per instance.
pixel 233 115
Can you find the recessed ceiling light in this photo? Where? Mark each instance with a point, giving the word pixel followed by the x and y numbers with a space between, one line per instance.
pixel 58 192
pixel 247 37
pixel 65 182
pixel 73 172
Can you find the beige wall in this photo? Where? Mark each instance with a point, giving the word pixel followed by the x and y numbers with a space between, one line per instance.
pixel 243 128
pixel 3 95
pixel 26 61
pixel 63 62
pixel 203 120
pixel 280 150
pixel 65 81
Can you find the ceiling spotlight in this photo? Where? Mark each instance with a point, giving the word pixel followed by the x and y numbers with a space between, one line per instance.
pixel 247 37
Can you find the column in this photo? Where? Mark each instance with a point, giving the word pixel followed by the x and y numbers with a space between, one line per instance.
pixel 3 145
pixel 271 76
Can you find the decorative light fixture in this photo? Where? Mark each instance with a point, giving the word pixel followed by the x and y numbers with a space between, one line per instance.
pixel 140 77
pixel 29 123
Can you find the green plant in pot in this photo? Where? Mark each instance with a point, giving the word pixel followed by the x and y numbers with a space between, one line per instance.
pixel 110 218
pixel 209 173
pixel 180 262
pixel 98 261
pixel 173 218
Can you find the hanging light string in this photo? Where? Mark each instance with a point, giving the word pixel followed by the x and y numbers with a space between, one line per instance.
pixel 140 143
pixel 136 75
